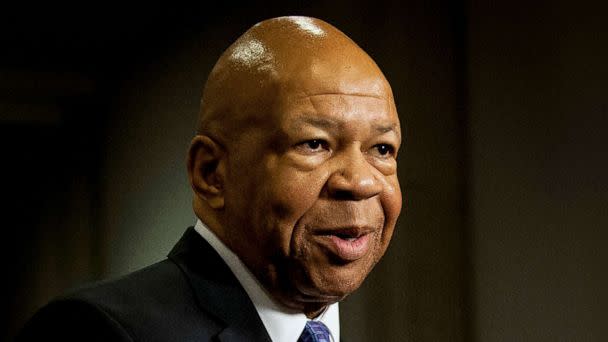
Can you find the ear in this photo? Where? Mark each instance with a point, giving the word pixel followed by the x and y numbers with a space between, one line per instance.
pixel 206 170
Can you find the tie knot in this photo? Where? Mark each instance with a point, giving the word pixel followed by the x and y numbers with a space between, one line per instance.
pixel 315 331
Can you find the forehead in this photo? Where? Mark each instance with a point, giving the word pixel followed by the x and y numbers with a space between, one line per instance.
pixel 337 107
pixel 341 98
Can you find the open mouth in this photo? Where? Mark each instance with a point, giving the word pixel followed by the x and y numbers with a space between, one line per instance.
pixel 345 233
pixel 347 244
pixel 346 236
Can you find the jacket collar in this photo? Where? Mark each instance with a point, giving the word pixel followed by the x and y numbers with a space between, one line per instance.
pixel 217 290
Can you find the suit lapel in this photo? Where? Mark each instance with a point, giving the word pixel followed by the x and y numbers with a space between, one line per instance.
pixel 217 290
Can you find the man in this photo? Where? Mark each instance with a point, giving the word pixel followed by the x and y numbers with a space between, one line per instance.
pixel 295 185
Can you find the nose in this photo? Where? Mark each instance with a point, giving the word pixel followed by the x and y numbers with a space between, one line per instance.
pixel 353 178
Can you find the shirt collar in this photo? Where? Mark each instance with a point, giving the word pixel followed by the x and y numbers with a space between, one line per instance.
pixel 282 324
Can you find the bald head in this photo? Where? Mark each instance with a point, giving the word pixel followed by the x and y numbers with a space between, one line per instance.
pixel 279 56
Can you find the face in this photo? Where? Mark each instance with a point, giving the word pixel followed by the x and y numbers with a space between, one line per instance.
pixel 312 194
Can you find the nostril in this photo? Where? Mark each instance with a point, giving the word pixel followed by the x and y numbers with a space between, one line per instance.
pixel 344 195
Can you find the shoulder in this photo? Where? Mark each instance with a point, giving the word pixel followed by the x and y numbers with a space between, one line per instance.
pixel 73 320
pixel 159 285
pixel 141 306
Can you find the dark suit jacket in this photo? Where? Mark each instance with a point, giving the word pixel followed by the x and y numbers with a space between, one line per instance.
pixel 191 296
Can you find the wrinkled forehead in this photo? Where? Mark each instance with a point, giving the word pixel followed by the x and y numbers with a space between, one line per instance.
pixel 344 81
pixel 334 107
pixel 329 77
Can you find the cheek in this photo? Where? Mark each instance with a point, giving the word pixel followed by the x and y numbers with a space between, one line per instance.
pixel 293 192
pixel 286 199
pixel 392 199
pixel 391 204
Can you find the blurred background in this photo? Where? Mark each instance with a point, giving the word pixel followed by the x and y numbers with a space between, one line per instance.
pixel 504 104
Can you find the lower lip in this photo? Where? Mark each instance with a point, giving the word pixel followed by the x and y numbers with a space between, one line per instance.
pixel 348 250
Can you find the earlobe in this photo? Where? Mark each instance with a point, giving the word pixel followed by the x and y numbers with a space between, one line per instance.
pixel 206 170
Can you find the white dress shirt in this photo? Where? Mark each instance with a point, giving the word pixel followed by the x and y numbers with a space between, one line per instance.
pixel 282 324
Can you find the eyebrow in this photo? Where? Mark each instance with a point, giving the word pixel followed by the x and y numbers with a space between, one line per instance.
pixel 316 121
pixel 386 128
pixel 383 129
pixel 327 123
pixel 346 94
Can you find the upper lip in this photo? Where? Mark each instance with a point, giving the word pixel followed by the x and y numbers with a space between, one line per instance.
pixel 346 231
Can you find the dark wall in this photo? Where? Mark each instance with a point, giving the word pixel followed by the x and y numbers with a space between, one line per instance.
pixel 538 171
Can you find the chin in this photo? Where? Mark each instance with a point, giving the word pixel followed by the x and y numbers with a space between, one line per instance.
pixel 331 283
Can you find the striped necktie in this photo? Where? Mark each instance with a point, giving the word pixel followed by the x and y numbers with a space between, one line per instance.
pixel 315 331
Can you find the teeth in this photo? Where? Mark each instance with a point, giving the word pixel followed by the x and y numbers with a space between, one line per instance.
pixel 346 237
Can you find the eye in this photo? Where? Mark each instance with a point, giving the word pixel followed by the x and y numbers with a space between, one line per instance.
pixel 313 145
pixel 384 150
